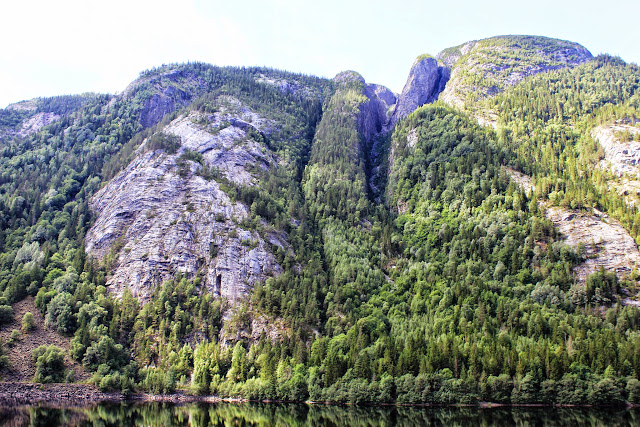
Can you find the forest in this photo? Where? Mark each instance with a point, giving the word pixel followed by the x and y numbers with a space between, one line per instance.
pixel 454 288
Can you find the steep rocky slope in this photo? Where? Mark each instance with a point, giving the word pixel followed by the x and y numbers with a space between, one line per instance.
pixel 606 243
pixel 174 208
pixel 602 241
pixel 477 69
pixel 25 118
pixel 163 91
pixel 425 82
pixel 621 159
pixel 21 366
pixel 373 108
pixel 161 216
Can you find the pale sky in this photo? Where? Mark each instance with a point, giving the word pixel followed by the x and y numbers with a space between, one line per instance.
pixel 74 46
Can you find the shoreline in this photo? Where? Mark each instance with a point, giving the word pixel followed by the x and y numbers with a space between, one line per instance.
pixel 14 394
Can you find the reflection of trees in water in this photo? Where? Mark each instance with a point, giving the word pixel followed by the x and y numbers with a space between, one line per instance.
pixel 263 414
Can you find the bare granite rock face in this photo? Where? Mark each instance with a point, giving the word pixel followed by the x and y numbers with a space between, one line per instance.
pixel 605 243
pixel 36 122
pixel 425 82
pixel 374 113
pixel 159 217
pixel 621 159
pixel 170 90
pixel 384 94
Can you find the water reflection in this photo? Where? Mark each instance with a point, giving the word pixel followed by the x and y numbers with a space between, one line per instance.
pixel 262 414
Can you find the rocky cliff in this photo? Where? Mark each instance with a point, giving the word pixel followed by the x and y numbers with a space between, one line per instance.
pixel 604 243
pixel 481 68
pixel 164 215
pixel 374 104
pixel 374 113
pixel 621 158
pixel 163 91
pixel 425 82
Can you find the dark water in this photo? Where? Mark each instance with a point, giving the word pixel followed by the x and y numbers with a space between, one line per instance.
pixel 259 414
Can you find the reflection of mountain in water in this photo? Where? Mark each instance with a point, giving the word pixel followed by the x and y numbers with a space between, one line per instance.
pixel 271 414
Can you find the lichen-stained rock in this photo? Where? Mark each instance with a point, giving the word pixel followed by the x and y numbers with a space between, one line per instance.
pixel 159 217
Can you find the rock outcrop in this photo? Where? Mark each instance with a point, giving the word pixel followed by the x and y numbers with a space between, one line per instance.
pixel 374 113
pixel 603 241
pixel 621 159
pixel 606 243
pixel 36 122
pixel 164 91
pixel 163 215
pixel 426 80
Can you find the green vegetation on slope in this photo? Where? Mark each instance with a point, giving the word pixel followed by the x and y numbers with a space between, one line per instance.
pixel 547 120
pixel 455 290
pixel 47 179
pixel 486 67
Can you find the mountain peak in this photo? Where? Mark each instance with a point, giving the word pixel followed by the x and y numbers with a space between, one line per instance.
pixel 481 68
pixel 426 80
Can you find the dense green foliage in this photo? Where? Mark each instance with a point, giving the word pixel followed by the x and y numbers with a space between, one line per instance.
pixel 453 289
pixel 49 361
pixel 546 123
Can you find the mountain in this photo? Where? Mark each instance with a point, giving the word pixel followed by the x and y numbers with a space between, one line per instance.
pixel 478 69
pixel 486 67
pixel 200 195
pixel 258 233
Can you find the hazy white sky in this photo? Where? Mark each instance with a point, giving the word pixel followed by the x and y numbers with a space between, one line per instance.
pixel 74 46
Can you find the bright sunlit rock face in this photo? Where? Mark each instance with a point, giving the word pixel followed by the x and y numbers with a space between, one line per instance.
pixel 161 217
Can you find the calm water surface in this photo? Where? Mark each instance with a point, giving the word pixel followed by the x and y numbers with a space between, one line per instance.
pixel 259 414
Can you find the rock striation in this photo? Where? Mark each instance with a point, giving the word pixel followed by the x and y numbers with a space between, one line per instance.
pixel 163 215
